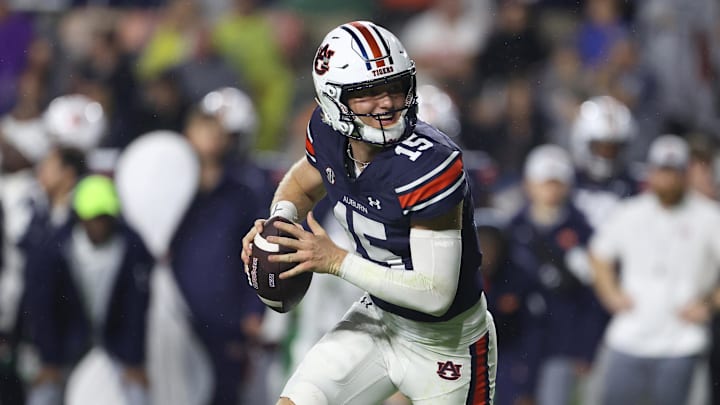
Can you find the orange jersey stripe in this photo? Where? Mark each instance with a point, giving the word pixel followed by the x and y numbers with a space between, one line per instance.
pixel 309 146
pixel 374 47
pixel 426 191
pixel 481 394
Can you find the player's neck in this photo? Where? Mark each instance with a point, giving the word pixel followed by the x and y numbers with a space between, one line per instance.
pixel 210 175
pixel 545 215
pixel 361 152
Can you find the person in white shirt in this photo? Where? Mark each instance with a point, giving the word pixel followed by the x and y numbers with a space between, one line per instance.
pixel 667 244
pixel 446 38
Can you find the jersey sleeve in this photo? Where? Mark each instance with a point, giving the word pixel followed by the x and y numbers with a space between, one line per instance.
pixel 310 144
pixel 321 141
pixel 432 184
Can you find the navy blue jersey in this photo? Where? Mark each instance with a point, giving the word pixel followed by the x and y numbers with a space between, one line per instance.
pixel 420 177
pixel 571 319
pixel 597 199
pixel 56 316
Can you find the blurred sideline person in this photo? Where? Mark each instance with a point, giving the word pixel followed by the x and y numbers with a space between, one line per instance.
pixel 23 143
pixel 505 302
pixel 398 187
pixel 58 174
pixel 703 179
pixel 236 112
pixel 549 265
pixel 88 287
pixel 245 37
pixel 667 245
pixel 601 133
pixel 225 314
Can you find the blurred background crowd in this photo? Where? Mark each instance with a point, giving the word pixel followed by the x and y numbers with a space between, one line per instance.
pixel 555 103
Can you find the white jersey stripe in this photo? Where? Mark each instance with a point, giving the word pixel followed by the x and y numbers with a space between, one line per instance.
pixel 309 134
pixel 428 176
pixel 438 197
pixel 310 156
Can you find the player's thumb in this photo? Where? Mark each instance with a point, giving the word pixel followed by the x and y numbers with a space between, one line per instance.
pixel 314 225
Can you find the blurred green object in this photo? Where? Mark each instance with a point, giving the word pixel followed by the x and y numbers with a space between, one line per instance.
pixel 364 8
pixel 95 196
pixel 248 42
pixel 167 48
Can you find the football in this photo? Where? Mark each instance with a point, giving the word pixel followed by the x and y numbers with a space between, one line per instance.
pixel 279 295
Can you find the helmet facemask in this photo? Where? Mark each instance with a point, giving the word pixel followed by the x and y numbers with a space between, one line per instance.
pixel 355 128
pixel 606 159
pixel 354 60
pixel 600 134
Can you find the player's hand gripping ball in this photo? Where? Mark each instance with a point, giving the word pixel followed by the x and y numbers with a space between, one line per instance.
pixel 279 295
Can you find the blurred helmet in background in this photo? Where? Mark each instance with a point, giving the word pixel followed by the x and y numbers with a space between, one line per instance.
pixel 600 133
pixel 359 56
pixel 547 163
pixel 28 137
pixel 236 113
pixel 438 109
pixel 75 120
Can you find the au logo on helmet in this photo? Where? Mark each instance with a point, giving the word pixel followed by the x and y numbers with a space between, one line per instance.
pixel 322 59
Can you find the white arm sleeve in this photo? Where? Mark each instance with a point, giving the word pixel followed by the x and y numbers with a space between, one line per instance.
pixel 429 288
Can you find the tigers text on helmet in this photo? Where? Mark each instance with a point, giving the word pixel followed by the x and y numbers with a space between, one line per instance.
pixel 360 56
pixel 600 133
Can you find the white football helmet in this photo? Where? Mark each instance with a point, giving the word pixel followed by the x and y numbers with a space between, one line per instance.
pixel 233 107
pixel 601 122
pixel 437 108
pixel 75 120
pixel 358 56
pixel 236 112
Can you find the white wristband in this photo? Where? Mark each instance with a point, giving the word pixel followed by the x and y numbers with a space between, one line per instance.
pixel 285 209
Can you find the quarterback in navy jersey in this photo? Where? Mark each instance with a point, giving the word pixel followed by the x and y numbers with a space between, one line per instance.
pixel 420 177
pixel 399 188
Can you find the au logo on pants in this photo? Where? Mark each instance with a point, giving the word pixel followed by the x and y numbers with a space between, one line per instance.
pixel 448 370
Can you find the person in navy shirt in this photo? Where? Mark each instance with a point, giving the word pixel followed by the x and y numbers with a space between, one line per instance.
pixel 88 286
pixel 547 255
pixel 506 296
pixel 399 188
pixel 224 313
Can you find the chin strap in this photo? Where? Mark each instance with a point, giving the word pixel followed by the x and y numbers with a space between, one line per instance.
pixel 381 136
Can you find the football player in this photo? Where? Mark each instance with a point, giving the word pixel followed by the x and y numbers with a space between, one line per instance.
pixel 398 187
pixel 601 133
